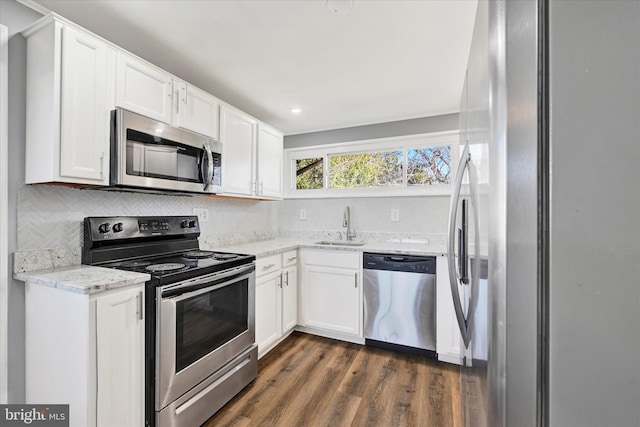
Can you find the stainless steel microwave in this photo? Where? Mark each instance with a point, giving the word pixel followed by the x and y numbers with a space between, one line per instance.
pixel 148 155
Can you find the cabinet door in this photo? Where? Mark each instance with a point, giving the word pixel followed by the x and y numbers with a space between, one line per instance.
pixel 238 137
pixel 84 127
pixel 332 299
pixel 120 358
pixel 289 298
pixel 448 340
pixel 269 162
pixel 268 311
pixel 197 110
pixel 144 89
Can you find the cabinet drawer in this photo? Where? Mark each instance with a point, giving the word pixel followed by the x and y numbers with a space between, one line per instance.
pixel 268 265
pixel 289 258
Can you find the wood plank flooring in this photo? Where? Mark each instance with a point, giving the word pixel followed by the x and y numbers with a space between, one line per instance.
pixel 314 381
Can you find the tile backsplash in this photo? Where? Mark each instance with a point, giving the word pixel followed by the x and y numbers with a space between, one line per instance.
pixel 50 217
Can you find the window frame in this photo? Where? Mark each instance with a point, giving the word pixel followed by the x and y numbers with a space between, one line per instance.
pixel 401 143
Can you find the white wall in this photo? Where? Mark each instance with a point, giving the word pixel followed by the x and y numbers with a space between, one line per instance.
pixel 422 217
pixel 15 17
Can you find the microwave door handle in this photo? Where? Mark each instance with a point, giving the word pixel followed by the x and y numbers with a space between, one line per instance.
pixel 208 175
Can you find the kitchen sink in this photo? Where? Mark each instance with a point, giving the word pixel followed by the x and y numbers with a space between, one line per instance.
pixel 341 242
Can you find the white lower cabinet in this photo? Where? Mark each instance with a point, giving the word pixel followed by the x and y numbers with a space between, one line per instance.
pixel 87 351
pixel 448 339
pixel 331 286
pixel 276 299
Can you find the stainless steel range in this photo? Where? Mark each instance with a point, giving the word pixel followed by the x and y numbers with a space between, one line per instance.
pixel 200 313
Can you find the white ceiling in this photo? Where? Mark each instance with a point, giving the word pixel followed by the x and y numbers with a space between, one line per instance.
pixel 384 60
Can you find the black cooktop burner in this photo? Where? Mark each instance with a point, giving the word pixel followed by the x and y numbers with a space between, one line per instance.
pixel 135 264
pixel 225 256
pixel 160 268
pixel 208 254
pixel 199 254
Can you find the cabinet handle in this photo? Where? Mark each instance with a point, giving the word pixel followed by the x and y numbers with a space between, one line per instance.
pixel 286 276
pixel 254 187
pixel 101 165
pixel 356 281
pixel 292 259
pixel 266 267
pixel 170 90
pixel 280 276
pixel 184 94
pixel 139 306
pixel 261 187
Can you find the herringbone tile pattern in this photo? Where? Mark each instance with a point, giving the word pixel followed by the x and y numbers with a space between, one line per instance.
pixel 51 216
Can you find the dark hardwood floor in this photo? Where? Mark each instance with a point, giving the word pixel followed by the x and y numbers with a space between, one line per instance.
pixel 314 381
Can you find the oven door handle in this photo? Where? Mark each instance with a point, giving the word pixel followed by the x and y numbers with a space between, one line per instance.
pixel 192 288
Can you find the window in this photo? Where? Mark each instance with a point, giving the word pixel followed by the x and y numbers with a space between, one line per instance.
pixel 416 164
pixel 309 173
pixel 365 170
pixel 428 166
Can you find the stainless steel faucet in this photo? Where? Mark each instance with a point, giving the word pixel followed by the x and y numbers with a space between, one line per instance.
pixel 346 222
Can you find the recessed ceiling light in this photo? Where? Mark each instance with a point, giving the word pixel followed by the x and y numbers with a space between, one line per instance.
pixel 296 110
pixel 339 7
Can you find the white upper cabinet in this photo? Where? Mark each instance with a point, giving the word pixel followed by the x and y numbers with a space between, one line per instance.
pixel 196 109
pixel 144 89
pixel 69 98
pixel 252 156
pixel 152 92
pixel 75 79
pixel 238 133
pixel 269 162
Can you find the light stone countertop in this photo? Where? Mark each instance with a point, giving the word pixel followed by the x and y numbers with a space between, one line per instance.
pixel 275 246
pixel 82 279
pixel 35 267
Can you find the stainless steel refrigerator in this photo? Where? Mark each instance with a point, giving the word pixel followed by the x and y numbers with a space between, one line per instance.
pixel 545 219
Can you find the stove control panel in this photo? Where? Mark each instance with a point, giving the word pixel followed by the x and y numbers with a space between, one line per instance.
pixel 100 229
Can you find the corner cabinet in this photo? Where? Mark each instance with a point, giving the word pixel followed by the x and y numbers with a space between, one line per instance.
pixel 331 294
pixel 251 154
pixel 87 350
pixel 69 99
pixel 276 299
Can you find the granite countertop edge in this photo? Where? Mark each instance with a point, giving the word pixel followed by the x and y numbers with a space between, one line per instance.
pixel 275 246
pixel 82 279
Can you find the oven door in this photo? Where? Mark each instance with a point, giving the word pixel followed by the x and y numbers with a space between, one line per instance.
pixel 202 324
pixel 153 155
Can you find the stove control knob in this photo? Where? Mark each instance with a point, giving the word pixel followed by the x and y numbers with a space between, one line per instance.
pixel 104 228
pixel 117 227
pixel 192 224
pixel 184 224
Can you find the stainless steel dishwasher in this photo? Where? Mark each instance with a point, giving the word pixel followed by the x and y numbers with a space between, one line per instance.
pixel 400 302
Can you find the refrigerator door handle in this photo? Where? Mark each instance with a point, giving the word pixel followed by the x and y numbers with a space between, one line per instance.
pixel 454 278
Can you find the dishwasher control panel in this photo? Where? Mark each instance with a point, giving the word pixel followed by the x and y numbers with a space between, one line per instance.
pixel 406 263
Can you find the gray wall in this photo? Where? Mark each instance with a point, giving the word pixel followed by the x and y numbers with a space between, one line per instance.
pixel 595 213
pixel 16 17
pixel 380 130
